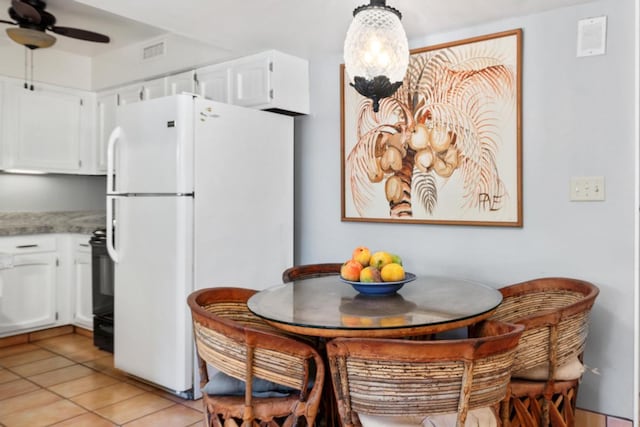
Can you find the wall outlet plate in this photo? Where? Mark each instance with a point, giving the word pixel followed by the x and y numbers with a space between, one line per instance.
pixel 587 188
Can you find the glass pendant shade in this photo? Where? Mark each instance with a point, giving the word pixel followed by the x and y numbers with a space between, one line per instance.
pixel 376 51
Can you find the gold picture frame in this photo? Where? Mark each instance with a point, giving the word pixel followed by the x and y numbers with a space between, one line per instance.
pixel 446 148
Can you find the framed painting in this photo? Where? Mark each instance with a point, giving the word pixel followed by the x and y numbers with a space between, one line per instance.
pixel 446 147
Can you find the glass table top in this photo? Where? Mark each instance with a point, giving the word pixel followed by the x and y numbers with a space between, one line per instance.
pixel 329 303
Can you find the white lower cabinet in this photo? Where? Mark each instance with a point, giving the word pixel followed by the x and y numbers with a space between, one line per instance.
pixel 48 285
pixel 81 283
pixel 28 294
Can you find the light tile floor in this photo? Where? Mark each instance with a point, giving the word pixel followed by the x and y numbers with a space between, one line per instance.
pixel 66 381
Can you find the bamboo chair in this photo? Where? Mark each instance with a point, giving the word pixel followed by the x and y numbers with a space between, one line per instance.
pixel 309 271
pixel 387 377
pixel 231 339
pixel 555 314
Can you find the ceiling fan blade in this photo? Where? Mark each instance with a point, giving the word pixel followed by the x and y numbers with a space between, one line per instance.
pixel 2 21
pixel 77 33
pixel 26 11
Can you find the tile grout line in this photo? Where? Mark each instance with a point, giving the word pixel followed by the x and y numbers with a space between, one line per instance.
pixel 40 387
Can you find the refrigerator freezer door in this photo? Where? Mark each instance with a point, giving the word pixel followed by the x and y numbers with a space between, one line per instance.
pixel 153 277
pixel 154 153
pixel 243 196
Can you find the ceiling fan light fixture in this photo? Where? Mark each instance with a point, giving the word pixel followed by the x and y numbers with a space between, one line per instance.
pixel 32 39
pixel 376 51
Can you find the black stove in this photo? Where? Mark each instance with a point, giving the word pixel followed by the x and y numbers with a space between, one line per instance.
pixel 102 291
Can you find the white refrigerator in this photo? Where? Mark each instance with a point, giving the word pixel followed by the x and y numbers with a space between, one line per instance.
pixel 199 194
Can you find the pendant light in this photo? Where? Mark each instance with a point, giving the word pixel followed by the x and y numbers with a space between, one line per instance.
pixel 376 51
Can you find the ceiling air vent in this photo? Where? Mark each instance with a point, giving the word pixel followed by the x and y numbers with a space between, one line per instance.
pixel 153 51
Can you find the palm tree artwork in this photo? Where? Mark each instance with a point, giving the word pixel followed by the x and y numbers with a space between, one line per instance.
pixel 446 146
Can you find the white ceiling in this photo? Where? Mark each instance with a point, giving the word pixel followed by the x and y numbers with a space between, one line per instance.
pixel 69 13
pixel 243 26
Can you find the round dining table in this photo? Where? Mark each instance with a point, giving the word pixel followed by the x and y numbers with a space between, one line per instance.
pixel 328 307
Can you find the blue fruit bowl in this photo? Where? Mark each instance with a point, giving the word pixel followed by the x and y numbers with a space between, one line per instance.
pixel 380 288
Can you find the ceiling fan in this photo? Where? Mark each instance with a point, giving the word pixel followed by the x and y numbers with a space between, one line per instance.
pixel 33 22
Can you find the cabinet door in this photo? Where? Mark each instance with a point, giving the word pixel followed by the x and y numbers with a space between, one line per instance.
pixel 83 309
pixel 27 293
pixel 47 129
pixel 152 89
pixel 129 94
pixel 213 83
pixel 251 82
pixel 106 122
pixel 182 82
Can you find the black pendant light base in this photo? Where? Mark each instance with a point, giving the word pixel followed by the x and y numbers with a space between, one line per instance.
pixel 376 89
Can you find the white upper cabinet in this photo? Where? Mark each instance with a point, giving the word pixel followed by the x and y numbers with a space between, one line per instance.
pixel 251 81
pixel 155 88
pixel 130 94
pixel 213 82
pixel 106 104
pixel 47 129
pixel 181 82
pixel 271 81
pixel 61 130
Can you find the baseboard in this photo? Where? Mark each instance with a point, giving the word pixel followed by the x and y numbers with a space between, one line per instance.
pixel 43 334
pixel 82 331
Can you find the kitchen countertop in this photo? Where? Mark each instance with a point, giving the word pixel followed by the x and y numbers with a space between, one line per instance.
pixel 19 223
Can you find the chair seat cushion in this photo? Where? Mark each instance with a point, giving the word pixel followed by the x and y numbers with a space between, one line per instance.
pixel 222 384
pixel 571 370
pixel 481 417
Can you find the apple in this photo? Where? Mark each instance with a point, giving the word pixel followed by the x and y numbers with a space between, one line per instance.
pixel 380 259
pixel 370 274
pixel 395 259
pixel 350 270
pixel 362 254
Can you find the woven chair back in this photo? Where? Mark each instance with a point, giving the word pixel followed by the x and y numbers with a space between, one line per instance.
pixel 555 312
pixel 403 377
pixel 309 271
pixel 231 339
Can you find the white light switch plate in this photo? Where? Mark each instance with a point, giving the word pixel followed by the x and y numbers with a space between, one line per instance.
pixel 587 188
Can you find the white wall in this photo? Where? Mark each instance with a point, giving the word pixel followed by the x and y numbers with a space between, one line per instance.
pixel 577 120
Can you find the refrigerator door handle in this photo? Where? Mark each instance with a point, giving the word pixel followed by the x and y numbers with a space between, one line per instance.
pixel 111 146
pixel 111 250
